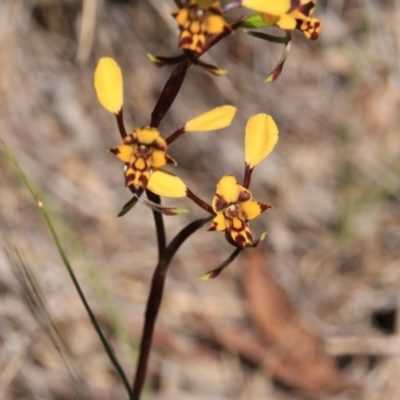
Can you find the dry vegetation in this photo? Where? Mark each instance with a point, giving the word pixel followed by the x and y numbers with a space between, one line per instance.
pixel 334 234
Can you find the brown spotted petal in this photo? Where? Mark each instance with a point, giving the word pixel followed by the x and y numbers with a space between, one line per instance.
pixel 138 172
pixel 244 194
pixel 131 139
pixel 219 223
pixel 239 232
pixel 311 27
pixel 151 137
pixel 252 209
pixel 219 203
pixel 123 152
pixel 306 8
pixel 228 192
pixel 198 20
pixel 160 158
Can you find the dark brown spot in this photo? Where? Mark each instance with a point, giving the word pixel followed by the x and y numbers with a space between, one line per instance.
pixel 244 195
pixel 130 139
pixel 213 227
pixel 240 241
pixel 186 42
pixel 129 178
pixel 264 206
pixel 221 203
pixel 249 236
pixel 158 145
pixel 295 4
pixel 143 181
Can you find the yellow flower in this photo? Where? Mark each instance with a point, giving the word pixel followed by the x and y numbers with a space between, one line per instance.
pixel 142 150
pixel 288 14
pixel 197 20
pixel 234 208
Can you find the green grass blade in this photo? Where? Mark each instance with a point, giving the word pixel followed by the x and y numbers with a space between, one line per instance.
pixel 106 345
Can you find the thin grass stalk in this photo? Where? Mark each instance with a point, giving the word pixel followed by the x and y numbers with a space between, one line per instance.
pixel 92 317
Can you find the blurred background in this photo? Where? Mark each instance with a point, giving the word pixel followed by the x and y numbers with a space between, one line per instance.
pixel 312 313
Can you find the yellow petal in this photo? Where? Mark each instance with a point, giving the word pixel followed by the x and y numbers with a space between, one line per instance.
pixel 148 135
pixel 273 7
pixel 166 184
pixel 239 232
pixel 286 22
pixel 219 223
pixel 261 138
pixel 253 209
pixel 123 152
pixel 141 164
pixel 228 189
pixel 215 24
pixel 181 16
pixel 158 158
pixel 310 27
pixel 216 118
pixel 108 84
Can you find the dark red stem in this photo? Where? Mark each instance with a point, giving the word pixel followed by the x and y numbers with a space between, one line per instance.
pixel 205 206
pixel 121 126
pixel 159 223
pixel 169 93
pixel 247 176
pixel 175 135
pixel 154 300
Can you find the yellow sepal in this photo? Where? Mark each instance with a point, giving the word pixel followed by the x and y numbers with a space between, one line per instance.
pixel 217 118
pixel 215 24
pixel 228 189
pixel 123 152
pixel 261 138
pixel 268 6
pixel 108 84
pixel 286 22
pixel 219 223
pixel 165 184
pixel 252 209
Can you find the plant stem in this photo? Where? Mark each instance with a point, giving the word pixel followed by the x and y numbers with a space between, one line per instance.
pixel 205 206
pixel 159 223
pixel 169 93
pixel 121 125
pixel 247 176
pixel 154 300
pixel 167 97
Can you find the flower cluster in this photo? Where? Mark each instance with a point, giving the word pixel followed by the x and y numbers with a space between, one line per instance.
pixel 144 151
pixel 288 14
pixel 202 24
